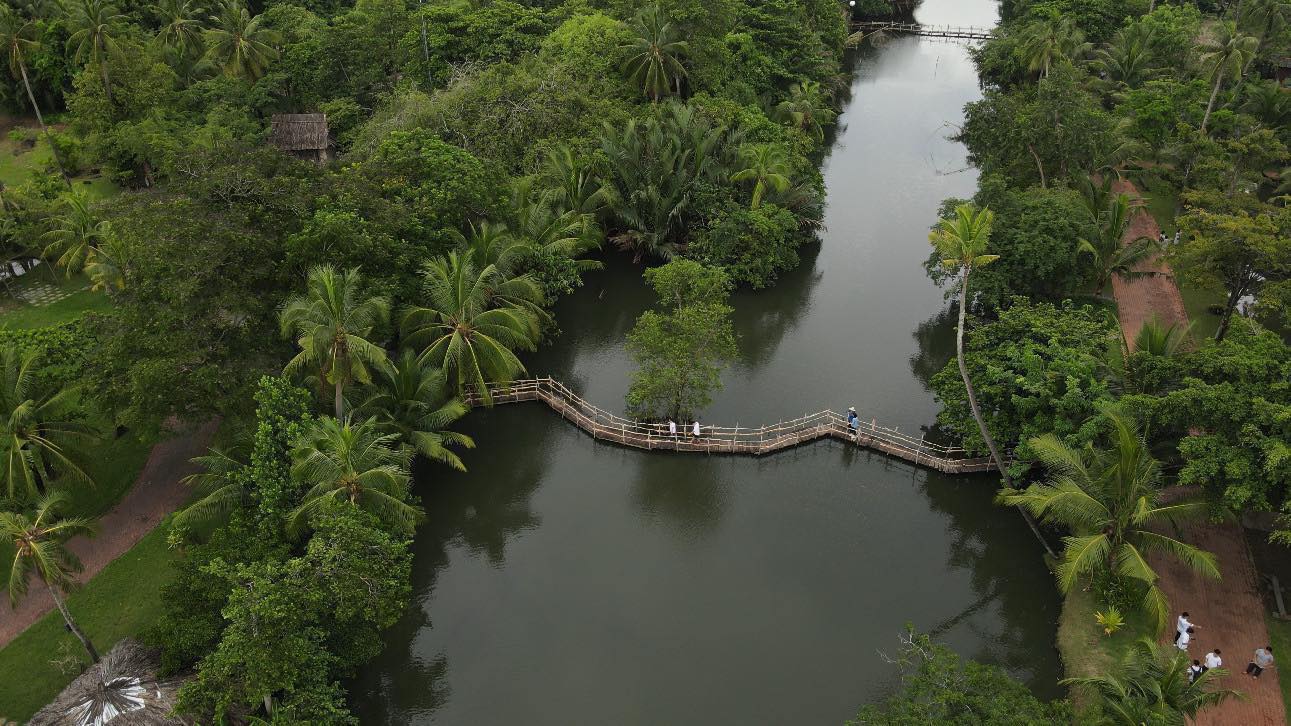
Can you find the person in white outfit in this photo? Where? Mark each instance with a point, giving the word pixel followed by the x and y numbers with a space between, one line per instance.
pixel 1181 626
pixel 1213 660
pixel 1184 639
pixel 672 428
pixel 695 430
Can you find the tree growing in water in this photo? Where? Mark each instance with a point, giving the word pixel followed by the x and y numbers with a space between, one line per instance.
pixel 682 347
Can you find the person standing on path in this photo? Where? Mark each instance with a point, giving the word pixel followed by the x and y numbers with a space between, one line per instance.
pixel 672 428
pixel 1181 626
pixel 695 431
pixel 1213 660
pixel 1263 659
pixel 1182 639
pixel 1195 670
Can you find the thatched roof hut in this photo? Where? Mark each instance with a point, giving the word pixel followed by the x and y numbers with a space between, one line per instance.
pixel 303 135
pixel 121 690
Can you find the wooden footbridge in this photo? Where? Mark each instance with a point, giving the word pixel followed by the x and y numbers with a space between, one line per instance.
pixel 961 32
pixel 605 426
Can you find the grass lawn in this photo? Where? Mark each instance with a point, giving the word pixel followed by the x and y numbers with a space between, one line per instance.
pixel 20 314
pixel 1197 302
pixel 1162 200
pixel 17 162
pixel 122 600
pixel 1086 650
pixel 1280 634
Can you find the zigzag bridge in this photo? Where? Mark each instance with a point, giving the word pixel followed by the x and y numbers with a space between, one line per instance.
pixel 926 31
pixel 605 426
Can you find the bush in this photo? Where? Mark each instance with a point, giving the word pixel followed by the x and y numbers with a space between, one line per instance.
pixel 753 245
pixel 63 350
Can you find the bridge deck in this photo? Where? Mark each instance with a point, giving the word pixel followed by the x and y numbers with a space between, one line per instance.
pixel 758 441
pixel 927 31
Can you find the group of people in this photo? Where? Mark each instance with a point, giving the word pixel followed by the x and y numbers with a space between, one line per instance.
pixel 672 429
pixel 1183 632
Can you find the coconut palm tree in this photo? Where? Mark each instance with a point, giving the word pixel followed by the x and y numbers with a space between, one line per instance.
pixel 1165 341
pixel 1151 686
pixel 39 549
pixel 413 400
pixel 1268 102
pixel 1128 61
pixel 105 266
pixel 1105 246
pixel 181 25
pixel 962 241
pixel 1046 42
pixel 95 24
pixel 1227 55
pixel 570 183
pixel 238 44
pixel 76 233
pixel 331 327
pixel 475 317
pixel 353 463
pixel 36 432
pixel 656 52
pixel 1111 501
pixel 18 36
pixel 767 167
pixel 807 108
pixel 536 224
pixel 220 486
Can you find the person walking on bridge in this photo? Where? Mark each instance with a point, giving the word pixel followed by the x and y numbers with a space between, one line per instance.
pixel 853 421
pixel 695 431
pixel 672 428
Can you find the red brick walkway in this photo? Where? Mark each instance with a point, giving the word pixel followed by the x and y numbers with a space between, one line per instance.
pixel 156 493
pixel 1230 612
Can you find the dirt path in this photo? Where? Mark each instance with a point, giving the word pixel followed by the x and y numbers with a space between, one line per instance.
pixel 1156 296
pixel 156 493
pixel 1230 612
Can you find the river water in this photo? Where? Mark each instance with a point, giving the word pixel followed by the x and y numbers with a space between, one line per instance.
pixel 565 581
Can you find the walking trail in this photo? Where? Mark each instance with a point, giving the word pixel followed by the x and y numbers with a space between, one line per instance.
pixel 1229 613
pixel 156 493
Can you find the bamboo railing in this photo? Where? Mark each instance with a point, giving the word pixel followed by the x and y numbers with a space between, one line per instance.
pixel 927 31
pixel 759 441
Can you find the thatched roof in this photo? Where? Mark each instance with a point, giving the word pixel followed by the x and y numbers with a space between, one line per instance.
pixel 299 131
pixel 121 690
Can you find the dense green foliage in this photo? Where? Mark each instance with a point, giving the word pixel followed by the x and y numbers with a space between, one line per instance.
pixel 939 687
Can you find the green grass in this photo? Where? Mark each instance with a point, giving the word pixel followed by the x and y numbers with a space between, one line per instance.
pixel 1280 635
pixel 1197 302
pixel 1162 201
pixel 18 163
pixel 1087 651
pixel 123 600
pixel 19 314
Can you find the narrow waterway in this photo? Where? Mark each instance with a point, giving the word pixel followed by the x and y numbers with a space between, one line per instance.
pixel 566 581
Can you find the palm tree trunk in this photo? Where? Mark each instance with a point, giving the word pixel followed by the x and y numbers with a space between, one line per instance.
pixel 107 82
pixel 58 158
pixel 1038 165
pixel 425 49
pixel 339 402
pixel 977 412
pixel 1214 93
pixel 71 624
pixel 1230 306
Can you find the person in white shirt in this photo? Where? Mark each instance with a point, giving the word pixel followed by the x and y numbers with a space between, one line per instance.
pixel 1181 626
pixel 672 428
pixel 1213 660
pixel 1183 639
pixel 1195 670
pixel 695 431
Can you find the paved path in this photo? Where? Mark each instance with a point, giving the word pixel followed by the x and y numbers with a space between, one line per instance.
pixel 1230 612
pixel 1155 296
pixel 156 493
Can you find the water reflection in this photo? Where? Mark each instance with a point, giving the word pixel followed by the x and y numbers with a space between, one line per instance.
pixel 682 492
pixel 936 339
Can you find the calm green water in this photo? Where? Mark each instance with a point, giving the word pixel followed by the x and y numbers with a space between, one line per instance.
pixel 563 581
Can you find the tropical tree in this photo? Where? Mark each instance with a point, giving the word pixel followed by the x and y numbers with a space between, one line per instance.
pixel 219 486
pixel 1105 246
pixel 570 183
pixel 353 463
pixel 181 25
pixel 807 108
pixel 474 318
pixel 534 222
pixel 18 38
pixel 1226 55
pixel 1151 686
pixel 37 429
pixel 331 327
pixel 413 401
pixel 76 233
pixel 1268 102
pixel 654 62
pixel 962 241
pixel 1165 341
pixel 95 24
pixel 1128 60
pixel 767 167
pixel 39 549
pixel 238 44
pixel 1047 42
pixel 1111 501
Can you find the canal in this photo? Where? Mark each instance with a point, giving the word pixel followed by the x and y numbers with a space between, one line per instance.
pixel 566 581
